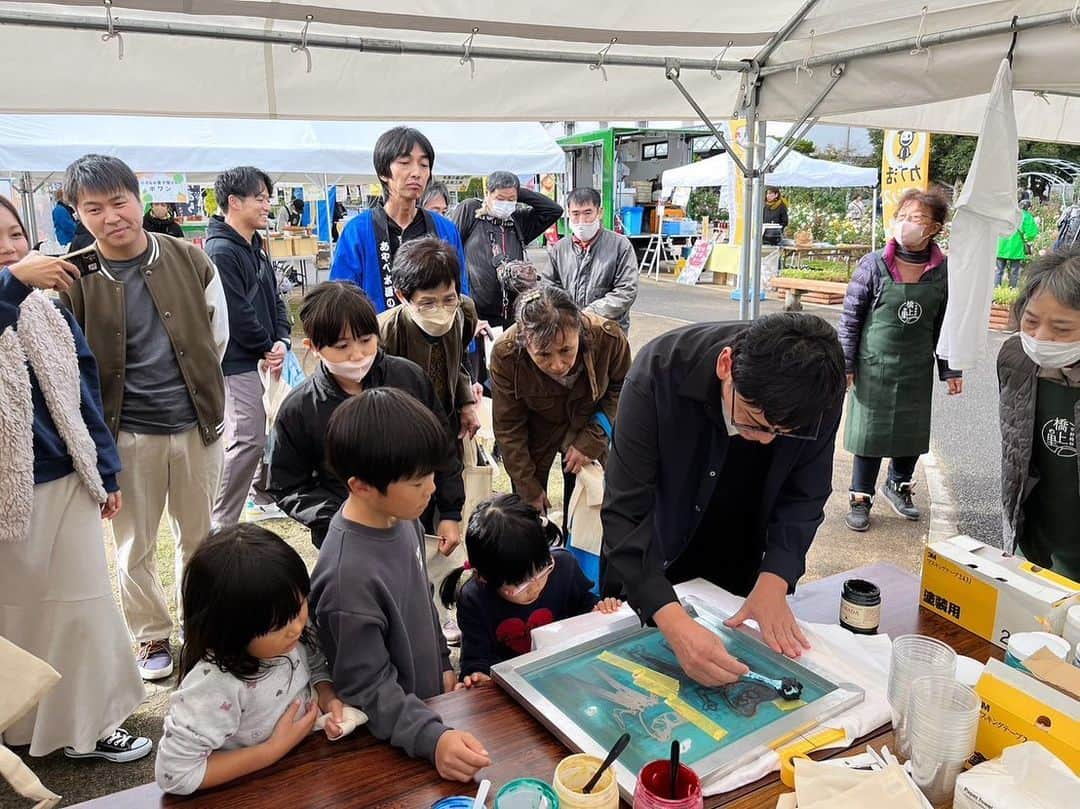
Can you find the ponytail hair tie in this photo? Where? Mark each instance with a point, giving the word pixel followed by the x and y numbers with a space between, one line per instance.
pixel 466 566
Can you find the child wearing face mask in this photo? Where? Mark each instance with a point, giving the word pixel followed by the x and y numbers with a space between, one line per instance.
pixel 893 312
pixel 1039 382
pixel 518 583
pixel 343 333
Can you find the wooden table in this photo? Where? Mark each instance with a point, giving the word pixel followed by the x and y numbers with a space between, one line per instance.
pixel 360 773
pixel 846 253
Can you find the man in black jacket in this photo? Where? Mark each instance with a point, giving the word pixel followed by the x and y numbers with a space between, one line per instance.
pixel 720 468
pixel 498 229
pixel 259 330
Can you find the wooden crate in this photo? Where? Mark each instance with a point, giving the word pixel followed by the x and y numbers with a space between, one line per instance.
pixel 281 247
pixel 305 246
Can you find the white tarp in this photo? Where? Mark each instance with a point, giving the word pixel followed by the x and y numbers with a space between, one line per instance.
pixel 63 70
pixel 985 211
pixel 797 170
pixel 342 150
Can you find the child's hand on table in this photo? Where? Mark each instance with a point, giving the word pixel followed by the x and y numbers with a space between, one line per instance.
pixel 472 681
pixel 607 605
pixel 459 756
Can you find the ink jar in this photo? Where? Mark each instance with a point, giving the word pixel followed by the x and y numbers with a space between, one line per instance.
pixel 860 607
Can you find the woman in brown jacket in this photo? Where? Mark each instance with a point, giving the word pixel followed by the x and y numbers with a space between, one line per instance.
pixel 552 373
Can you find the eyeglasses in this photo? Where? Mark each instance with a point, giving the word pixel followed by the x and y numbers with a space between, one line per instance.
pixel 430 307
pixel 801 434
pixel 540 577
pixel 915 219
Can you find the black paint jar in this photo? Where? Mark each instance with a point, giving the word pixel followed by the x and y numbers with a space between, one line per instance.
pixel 860 607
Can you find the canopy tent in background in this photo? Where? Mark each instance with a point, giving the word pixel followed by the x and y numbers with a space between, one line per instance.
pixel 797 171
pixel 290 151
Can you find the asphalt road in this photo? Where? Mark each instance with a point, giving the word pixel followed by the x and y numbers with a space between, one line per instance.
pixel 964 434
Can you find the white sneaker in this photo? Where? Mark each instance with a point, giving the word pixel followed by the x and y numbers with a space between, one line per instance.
pixel 254 512
pixel 451 632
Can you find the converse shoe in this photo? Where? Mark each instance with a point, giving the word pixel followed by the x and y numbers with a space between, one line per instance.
pixel 257 512
pixel 155 660
pixel 118 747
pixel 451 632
pixel 899 497
pixel 858 516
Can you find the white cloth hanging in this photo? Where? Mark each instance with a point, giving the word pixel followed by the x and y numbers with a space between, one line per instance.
pixel 986 210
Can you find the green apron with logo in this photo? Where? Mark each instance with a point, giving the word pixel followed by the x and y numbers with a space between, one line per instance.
pixel 889 404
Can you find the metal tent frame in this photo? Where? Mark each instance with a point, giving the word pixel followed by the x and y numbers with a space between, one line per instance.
pixel 752 71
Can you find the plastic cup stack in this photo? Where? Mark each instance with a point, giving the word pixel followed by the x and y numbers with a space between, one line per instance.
pixel 943 717
pixel 914 656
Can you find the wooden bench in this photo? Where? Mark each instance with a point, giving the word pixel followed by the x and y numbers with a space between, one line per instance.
pixel 794 290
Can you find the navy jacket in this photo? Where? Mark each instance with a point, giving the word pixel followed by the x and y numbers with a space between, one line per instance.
pixel 257 314
pixel 669 446
pixel 51 459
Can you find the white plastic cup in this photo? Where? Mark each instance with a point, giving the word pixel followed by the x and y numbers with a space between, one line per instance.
pixel 942 721
pixel 914 656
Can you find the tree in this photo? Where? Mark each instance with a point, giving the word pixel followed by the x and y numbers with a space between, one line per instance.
pixel 804 146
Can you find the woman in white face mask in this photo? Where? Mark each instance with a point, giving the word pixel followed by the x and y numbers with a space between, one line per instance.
pixel 892 316
pixel 1039 381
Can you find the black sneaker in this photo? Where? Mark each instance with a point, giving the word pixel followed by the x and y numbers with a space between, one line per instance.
pixel 118 747
pixel 858 517
pixel 899 497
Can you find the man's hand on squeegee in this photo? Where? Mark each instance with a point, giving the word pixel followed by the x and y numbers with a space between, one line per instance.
pixel 700 651
pixel 767 604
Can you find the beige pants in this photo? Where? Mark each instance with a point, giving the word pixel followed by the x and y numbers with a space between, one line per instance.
pixel 177 470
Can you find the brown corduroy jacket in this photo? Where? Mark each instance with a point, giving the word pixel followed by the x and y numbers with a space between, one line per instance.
pixel 536 417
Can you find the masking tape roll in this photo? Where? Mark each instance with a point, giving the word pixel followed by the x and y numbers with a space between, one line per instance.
pixel 787 770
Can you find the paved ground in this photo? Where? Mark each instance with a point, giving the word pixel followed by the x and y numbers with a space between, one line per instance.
pixel 965 440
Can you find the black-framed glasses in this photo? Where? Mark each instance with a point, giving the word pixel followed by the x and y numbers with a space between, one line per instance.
pixel 800 434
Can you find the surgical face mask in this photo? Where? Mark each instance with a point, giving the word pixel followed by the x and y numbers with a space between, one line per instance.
pixel 436 322
pixel 585 230
pixel 908 234
pixel 1048 354
pixel 351 370
pixel 503 208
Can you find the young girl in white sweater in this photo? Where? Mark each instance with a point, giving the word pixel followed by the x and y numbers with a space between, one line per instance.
pixel 253 681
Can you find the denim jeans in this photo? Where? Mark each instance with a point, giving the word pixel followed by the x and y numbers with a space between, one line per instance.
pixel 1013 265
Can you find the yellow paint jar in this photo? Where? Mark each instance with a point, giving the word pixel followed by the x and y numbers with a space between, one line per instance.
pixel 571 776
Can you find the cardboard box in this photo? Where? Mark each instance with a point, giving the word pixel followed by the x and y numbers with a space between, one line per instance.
pixel 991 593
pixel 1017 708
pixel 280 247
pixel 305 246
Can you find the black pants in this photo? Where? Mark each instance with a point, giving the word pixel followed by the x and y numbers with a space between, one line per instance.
pixel 864 472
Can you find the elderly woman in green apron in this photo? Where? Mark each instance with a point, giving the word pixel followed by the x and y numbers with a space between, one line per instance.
pixel 1039 380
pixel 892 316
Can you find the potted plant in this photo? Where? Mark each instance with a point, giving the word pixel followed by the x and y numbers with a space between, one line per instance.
pixel 1001 308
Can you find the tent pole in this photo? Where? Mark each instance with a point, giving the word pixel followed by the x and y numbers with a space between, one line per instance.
pixel 806 121
pixel 757 230
pixel 873 223
pixel 925 41
pixel 26 193
pixel 396 47
pixel 672 73
pixel 748 220
pixel 780 37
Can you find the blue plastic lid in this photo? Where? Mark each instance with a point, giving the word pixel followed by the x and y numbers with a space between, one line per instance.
pixel 457 802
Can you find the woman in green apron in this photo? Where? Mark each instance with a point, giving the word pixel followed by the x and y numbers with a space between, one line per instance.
pixel 1039 379
pixel 892 316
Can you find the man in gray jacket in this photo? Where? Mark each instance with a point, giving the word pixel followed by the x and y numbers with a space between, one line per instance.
pixel 597 267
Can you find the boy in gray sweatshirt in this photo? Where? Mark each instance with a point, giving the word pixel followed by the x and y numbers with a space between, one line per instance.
pixel 370 594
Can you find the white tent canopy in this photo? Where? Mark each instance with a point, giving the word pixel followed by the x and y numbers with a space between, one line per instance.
pixel 287 150
pixel 369 59
pixel 797 171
